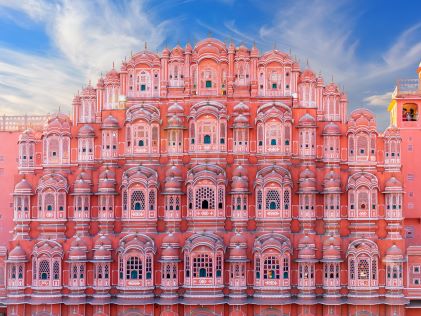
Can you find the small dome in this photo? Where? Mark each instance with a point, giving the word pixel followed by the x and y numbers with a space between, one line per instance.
pixel 331 129
pixel 306 253
pixel 331 181
pixel 332 241
pixel 172 184
pixel 82 185
pixel 394 251
pixel 238 239
pixel 27 136
pixel 175 121
pixel 173 171
pixel 239 171
pixel 23 187
pixel 331 252
pixel 239 184
pixel 238 252
pixel 175 108
pixel 112 77
pixel 104 241
pixel 77 253
pixel 57 123
pixel 88 91
pixel 102 253
pixel 332 88
pixel 307 174
pixel 86 131
pixel 110 122
pixel 241 119
pixel 241 107
pixel 170 252
pixel 306 240
pixel 308 75
pixel 307 120
pixel 393 184
pixel 17 253
pixel 170 239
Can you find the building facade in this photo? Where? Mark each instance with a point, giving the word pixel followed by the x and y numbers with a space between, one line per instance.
pixel 212 180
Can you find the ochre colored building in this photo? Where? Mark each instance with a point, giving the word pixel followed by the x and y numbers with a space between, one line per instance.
pixel 216 180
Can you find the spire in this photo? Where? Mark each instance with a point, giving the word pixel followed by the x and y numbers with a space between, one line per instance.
pixel 146 45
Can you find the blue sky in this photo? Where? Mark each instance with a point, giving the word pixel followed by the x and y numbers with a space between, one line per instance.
pixel 50 49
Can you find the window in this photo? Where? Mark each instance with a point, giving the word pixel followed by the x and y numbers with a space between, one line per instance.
pixel 44 270
pixel 202 266
pixel 416 281
pixel 207 139
pixel 208 84
pixel 142 87
pixel 134 268
pixel 416 269
pixel 271 268
pixel 274 85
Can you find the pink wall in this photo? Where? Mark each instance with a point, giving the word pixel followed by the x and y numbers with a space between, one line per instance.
pixel 8 167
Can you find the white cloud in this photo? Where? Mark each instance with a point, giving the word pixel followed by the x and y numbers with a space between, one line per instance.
pixel 86 37
pixel 322 31
pixel 381 100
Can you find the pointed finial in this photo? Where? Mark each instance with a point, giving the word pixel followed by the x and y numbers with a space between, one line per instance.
pixel 307 63
pixel 254 43
pixel 146 45
pixel 113 64
pixel 332 78
pixel 209 34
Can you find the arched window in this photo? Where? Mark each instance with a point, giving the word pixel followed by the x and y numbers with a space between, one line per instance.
pixel 362 264
pixel 272 261
pixel 362 195
pixel 203 262
pixel 135 261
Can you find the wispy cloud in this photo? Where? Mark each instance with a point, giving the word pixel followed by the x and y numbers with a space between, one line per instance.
pixel 86 38
pixel 381 100
pixel 323 32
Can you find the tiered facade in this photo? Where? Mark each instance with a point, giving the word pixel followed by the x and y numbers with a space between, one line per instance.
pixel 208 181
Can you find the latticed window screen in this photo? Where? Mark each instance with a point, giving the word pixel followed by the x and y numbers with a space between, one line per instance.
pixel 205 198
pixel 363 269
pixel 99 274
pixel 190 198
pixel 257 267
pixel 271 268
pixel 221 195
pixel 286 199
pixel 151 200
pixel 61 201
pixel 44 270
pixel 137 200
pixel 374 269
pixel 56 270
pixel 148 267
pixel 352 268
pixel 125 200
pixel 218 266
pixel 259 200
pixel 49 202
pixel 74 272
pixel 286 268
pixel 202 266
pixel 273 200
pixel 362 145
pixel 134 268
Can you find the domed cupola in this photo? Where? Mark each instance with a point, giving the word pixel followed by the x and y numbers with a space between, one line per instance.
pixel 331 129
pixel 17 254
pixel 110 122
pixel 307 182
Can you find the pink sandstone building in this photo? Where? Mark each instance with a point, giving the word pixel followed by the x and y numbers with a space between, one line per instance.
pixel 217 180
